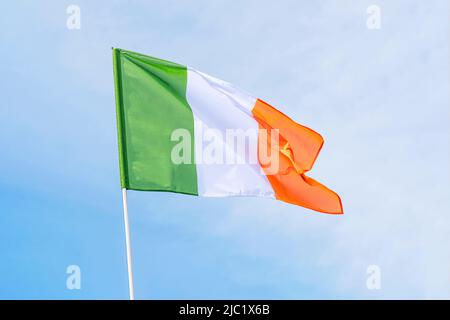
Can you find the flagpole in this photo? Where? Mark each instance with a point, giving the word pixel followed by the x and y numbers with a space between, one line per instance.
pixel 128 243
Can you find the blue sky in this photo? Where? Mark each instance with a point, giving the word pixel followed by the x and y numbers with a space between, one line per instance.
pixel 379 97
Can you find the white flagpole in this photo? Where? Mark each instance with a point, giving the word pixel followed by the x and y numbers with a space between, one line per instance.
pixel 128 243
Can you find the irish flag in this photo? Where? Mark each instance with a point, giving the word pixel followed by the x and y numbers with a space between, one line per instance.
pixel 181 130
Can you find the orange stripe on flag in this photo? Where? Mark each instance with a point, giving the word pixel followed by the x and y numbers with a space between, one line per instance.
pixel 297 150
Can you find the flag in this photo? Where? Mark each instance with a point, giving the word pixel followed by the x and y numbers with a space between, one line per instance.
pixel 183 131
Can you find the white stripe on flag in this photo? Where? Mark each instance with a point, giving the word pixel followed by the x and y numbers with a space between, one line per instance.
pixel 218 105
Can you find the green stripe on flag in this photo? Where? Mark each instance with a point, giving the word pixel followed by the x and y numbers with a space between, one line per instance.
pixel 151 104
